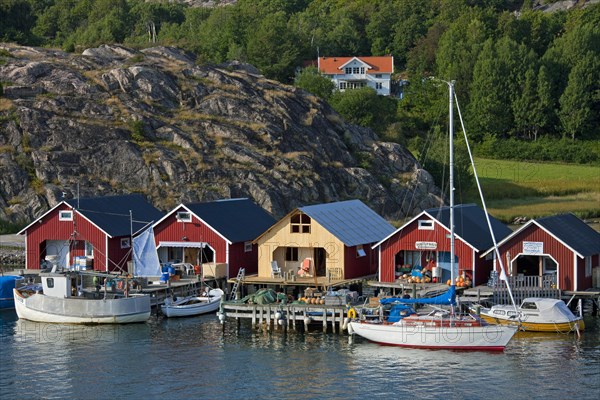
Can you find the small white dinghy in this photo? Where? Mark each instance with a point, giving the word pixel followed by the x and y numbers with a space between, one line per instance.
pixel 193 305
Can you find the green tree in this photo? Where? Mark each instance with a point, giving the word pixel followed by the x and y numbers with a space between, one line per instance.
pixel 16 22
pixel 580 103
pixel 312 81
pixel 365 108
pixel 272 48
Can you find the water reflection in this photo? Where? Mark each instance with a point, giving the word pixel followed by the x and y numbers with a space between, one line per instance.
pixel 198 357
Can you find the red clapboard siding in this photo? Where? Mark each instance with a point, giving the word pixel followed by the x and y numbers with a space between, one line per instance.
pixel 406 239
pixel 171 230
pixel 561 254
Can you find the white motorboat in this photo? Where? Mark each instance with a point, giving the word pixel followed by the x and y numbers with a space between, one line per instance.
pixel 535 315
pixel 63 300
pixel 193 305
pixel 439 329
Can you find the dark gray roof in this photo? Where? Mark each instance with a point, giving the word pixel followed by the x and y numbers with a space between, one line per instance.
pixel 350 221
pixel 574 232
pixel 111 213
pixel 470 224
pixel 238 220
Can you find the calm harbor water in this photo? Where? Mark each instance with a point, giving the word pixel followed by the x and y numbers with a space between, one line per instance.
pixel 196 358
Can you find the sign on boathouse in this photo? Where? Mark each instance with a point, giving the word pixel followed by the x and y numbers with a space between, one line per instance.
pixel 533 248
pixel 426 245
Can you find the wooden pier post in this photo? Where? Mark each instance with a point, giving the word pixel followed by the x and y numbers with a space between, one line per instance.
pixel 294 318
pixel 324 320
pixel 305 321
pixel 341 327
pixel 268 311
pixel 253 317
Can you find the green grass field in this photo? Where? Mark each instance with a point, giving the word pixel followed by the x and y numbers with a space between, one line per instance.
pixel 516 189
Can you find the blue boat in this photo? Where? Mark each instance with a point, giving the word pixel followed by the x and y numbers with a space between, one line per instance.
pixel 7 284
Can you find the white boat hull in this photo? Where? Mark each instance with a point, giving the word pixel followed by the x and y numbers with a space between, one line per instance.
pixel 487 338
pixel 195 305
pixel 75 310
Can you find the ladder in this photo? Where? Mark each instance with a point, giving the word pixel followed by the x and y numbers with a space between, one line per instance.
pixel 238 280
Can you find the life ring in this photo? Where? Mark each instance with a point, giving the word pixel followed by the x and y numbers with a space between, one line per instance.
pixel 352 313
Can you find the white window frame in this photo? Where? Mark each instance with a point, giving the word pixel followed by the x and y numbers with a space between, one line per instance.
pixel 348 70
pixel 342 85
pixel 247 247
pixel 184 216
pixel 378 85
pixel 125 243
pixel 425 225
pixel 65 215
pixel 362 70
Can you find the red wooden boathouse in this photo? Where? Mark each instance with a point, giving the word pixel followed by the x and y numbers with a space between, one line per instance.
pixel 562 246
pixel 97 228
pixel 213 233
pixel 427 237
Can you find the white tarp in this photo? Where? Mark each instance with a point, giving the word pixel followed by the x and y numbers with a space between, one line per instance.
pixel 145 257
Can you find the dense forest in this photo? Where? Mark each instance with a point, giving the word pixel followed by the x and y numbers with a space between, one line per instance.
pixel 527 80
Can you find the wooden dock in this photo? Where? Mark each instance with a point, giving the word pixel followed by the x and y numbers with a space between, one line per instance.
pixel 283 316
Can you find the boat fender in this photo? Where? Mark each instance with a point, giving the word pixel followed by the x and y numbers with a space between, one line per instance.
pixel 350 330
pixel 352 313
pixel 277 315
pixel 222 317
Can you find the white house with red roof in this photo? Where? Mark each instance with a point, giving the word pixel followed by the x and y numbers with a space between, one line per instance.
pixel 358 72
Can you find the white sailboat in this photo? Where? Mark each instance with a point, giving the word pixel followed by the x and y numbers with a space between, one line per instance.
pixel 440 328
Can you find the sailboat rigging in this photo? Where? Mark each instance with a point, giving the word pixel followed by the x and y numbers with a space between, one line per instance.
pixel 440 328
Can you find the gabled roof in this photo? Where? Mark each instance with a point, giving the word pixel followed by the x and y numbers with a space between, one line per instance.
pixel 111 213
pixel 470 225
pixel 567 229
pixel 352 222
pixel 378 65
pixel 237 220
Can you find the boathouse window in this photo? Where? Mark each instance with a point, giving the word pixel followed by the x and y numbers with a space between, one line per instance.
pixel 184 216
pixel 360 252
pixel 65 216
pixel 50 282
pixel 550 266
pixel 125 243
pixel 377 75
pixel 348 70
pixel 291 254
pixel 89 249
pixel 247 247
pixel 300 223
pixel 426 224
pixel 378 85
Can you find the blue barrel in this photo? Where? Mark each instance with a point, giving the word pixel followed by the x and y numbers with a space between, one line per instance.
pixel 164 277
pixel 171 270
pixel 7 284
pixel 165 267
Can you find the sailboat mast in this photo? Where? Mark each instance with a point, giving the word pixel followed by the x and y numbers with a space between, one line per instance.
pixel 451 165
pixel 131 241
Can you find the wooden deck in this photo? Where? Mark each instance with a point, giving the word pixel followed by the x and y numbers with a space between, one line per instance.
pixel 283 316
pixel 319 281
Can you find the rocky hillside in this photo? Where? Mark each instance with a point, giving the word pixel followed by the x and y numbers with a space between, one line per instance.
pixel 115 120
